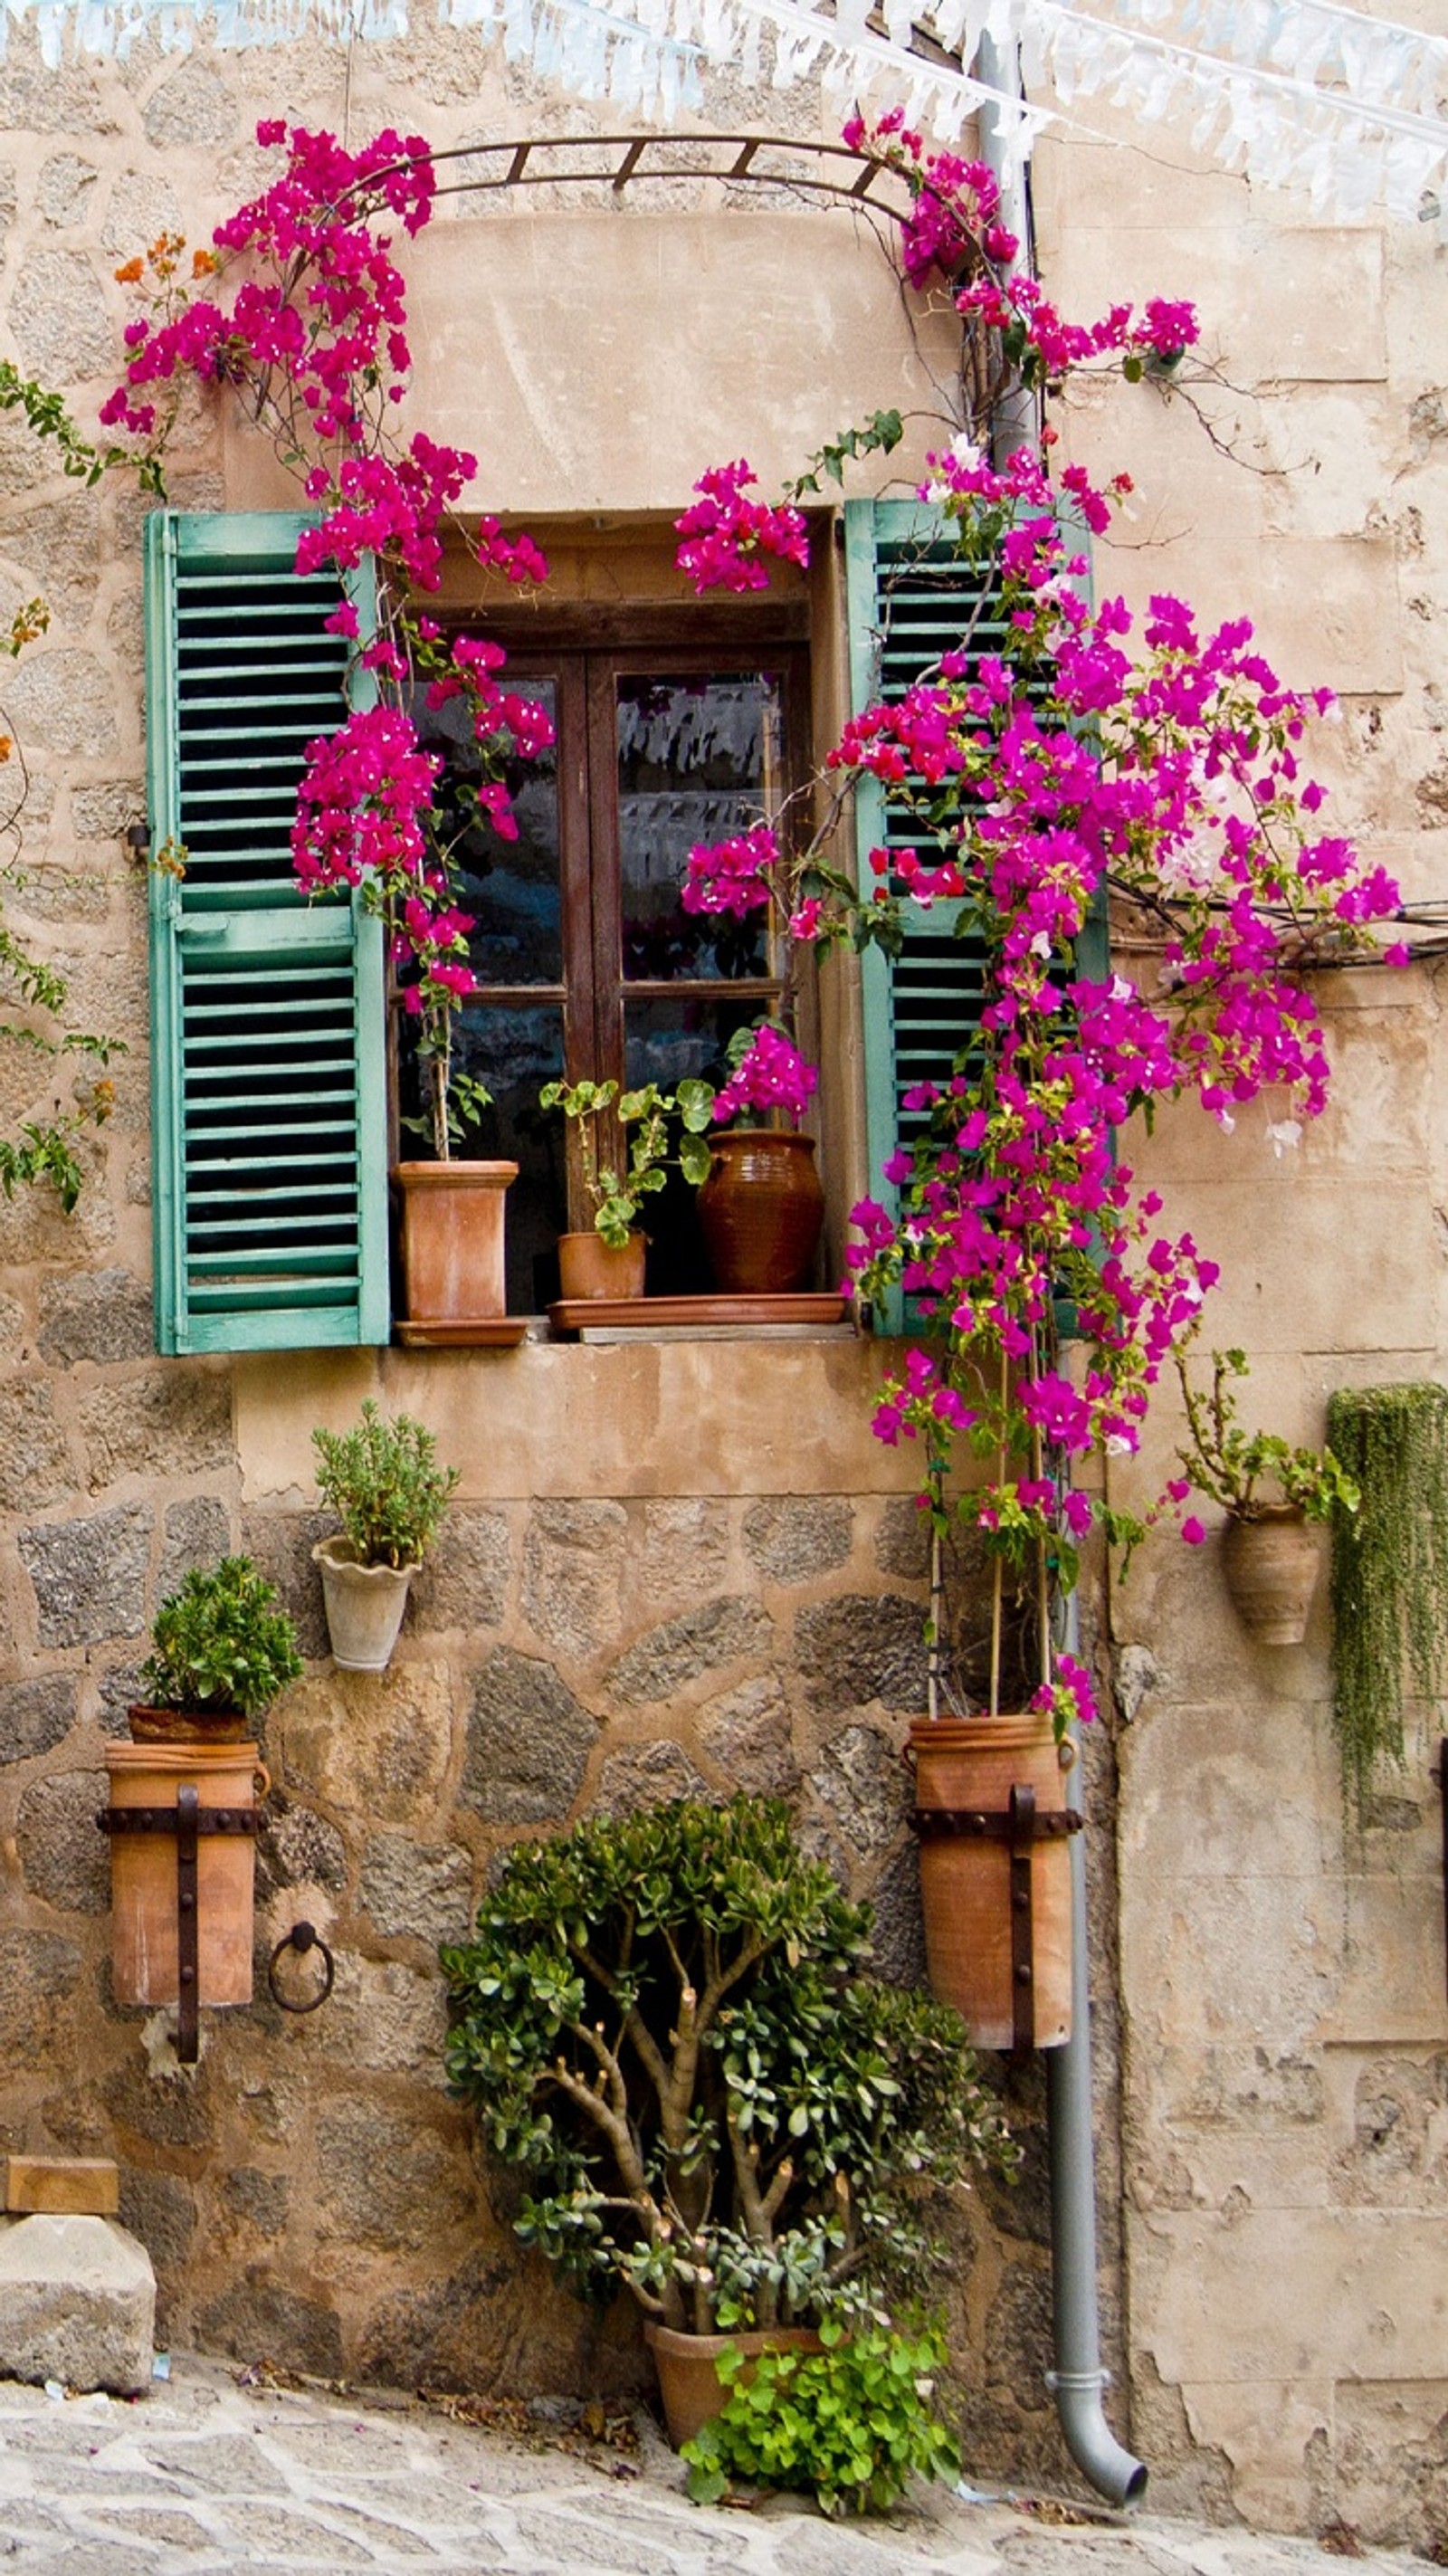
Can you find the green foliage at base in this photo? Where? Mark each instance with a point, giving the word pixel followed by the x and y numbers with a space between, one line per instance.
pixel 1389 1568
pixel 848 2426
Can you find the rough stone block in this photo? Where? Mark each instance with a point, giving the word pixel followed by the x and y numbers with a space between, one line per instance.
pixel 89 1576
pixel 77 2303
pixel 528 1742
pixel 62 2186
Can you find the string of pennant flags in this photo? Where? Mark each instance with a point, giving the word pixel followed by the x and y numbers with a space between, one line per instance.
pixel 1306 95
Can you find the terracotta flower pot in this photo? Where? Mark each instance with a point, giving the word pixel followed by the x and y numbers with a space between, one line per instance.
pixel 364 1604
pixel 965 1770
pixel 589 1267
pixel 1271 1565
pixel 761 1210
pixel 452 1239
pixel 689 2381
pixel 144 1948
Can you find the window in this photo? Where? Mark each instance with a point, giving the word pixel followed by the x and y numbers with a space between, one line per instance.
pixel 587 959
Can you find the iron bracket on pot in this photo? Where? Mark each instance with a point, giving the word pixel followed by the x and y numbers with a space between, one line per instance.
pixel 188 1820
pixel 1019 1825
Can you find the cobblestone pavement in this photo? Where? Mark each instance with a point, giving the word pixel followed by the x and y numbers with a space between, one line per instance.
pixel 205 2474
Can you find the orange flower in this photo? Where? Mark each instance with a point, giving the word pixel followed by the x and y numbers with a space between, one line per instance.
pixel 132 273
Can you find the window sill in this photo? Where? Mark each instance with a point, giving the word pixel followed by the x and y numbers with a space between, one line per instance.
pixel 595 1319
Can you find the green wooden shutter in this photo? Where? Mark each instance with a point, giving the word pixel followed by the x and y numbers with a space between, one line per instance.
pixel 267 1040
pixel 910 599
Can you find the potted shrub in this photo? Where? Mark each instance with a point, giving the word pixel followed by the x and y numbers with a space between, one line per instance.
pixel 222 1648
pixel 664 2019
pixel 608 1261
pixel 1276 1499
pixel 383 1481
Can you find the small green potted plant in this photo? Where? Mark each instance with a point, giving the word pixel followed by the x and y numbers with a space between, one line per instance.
pixel 383 1481
pixel 222 1648
pixel 666 2020
pixel 608 1259
pixel 1275 1498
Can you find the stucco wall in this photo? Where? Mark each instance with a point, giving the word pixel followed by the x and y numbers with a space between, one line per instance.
pixel 1285 2032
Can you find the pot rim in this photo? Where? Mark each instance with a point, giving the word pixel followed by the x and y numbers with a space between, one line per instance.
pixel 328 1553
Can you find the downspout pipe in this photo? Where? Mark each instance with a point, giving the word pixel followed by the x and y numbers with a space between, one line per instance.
pixel 1017 420
pixel 1078 2379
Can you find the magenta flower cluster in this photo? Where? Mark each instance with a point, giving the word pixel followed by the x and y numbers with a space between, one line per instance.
pixel 725 536
pixel 1081 756
pixel 772 1074
pixel 314 342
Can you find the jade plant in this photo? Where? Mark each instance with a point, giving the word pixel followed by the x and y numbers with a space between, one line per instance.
pixel 665 2019
pixel 220 1643
pixel 383 1481
pixel 850 2425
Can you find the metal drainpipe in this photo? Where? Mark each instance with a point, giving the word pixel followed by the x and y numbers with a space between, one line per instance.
pixel 1078 2378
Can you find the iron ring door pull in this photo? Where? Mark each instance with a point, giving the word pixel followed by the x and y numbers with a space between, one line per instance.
pixel 301 1938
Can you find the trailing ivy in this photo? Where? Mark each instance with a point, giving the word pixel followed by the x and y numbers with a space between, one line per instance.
pixel 1389 1569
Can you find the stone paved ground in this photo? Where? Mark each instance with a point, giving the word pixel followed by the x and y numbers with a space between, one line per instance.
pixel 207 2475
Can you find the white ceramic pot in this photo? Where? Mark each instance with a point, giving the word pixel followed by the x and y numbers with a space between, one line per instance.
pixel 365 1604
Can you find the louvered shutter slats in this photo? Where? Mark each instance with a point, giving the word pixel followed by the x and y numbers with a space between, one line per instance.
pixel 267 1013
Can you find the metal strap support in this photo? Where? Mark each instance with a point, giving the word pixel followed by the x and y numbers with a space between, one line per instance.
pixel 992 1825
pixel 162 1820
pixel 188 1948
pixel 188 1820
pixel 1020 1826
pixel 1023 1989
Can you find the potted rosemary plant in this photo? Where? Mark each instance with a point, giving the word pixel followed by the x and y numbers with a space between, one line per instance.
pixel 383 1481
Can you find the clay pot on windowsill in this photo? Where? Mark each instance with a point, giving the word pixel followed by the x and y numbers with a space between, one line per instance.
pixel 689 2382
pixel 1271 1565
pixel 761 1210
pixel 451 1232
pixel 965 1772
pixel 590 1268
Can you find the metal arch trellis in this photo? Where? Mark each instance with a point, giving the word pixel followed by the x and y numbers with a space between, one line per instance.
pixel 800 166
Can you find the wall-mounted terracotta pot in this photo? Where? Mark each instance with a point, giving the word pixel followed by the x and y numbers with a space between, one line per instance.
pixel 1004 1964
pixel 1271 1565
pixel 145 1951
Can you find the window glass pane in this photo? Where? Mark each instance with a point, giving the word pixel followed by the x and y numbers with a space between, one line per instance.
pixel 699 759
pixel 665 1040
pixel 512 887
